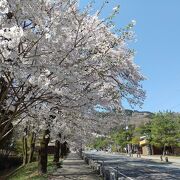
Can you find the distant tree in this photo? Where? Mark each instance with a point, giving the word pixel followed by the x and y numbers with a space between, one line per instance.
pixel 123 137
pixel 144 130
pixel 101 143
pixel 165 128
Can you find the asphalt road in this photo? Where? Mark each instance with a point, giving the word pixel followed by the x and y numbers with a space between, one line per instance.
pixel 137 168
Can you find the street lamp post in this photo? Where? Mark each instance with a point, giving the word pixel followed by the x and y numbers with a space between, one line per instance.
pixel 126 116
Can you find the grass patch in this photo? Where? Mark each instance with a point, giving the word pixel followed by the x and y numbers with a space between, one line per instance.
pixel 30 171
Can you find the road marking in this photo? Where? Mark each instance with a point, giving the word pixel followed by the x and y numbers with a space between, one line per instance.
pixel 121 173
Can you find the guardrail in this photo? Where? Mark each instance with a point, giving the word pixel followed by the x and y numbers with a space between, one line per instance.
pixel 100 166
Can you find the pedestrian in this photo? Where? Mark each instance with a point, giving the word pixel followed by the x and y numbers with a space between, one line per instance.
pixel 130 153
pixel 138 153
pixel 161 157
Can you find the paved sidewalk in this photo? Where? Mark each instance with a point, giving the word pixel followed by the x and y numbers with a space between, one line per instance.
pixel 74 169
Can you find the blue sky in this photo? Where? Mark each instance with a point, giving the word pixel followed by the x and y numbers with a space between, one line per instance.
pixel 158 47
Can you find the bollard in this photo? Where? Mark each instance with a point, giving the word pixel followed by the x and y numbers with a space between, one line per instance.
pixel 94 166
pixel 82 156
pixel 112 176
pixel 91 163
pixel 86 160
pixel 166 159
pixel 98 169
pixel 102 169
pixel 107 174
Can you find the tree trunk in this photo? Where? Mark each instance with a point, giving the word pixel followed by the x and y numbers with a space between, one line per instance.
pixel 60 149
pixel 43 153
pixel 152 149
pixel 164 149
pixel 149 152
pixel 56 151
pixel 25 151
pixel 64 149
pixel 32 142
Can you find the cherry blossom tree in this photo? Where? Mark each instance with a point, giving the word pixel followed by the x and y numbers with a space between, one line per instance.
pixel 66 126
pixel 53 55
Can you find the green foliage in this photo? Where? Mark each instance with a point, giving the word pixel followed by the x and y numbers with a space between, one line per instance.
pixel 165 129
pixel 123 136
pixel 135 140
pixel 100 143
pixel 117 138
pixel 144 130
pixel 114 148
pixel 162 130
pixel 29 171
pixel 18 147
